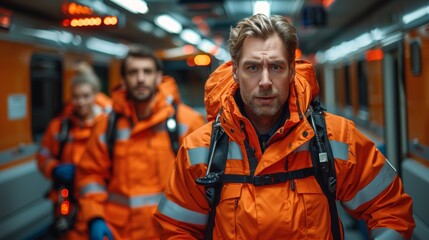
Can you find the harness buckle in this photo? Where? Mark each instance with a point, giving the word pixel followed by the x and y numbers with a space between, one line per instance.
pixel 209 180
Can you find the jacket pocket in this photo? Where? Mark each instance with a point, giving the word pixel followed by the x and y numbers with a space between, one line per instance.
pixel 117 215
pixel 226 212
pixel 315 208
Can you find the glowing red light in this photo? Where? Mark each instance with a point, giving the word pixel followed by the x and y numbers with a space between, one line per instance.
pixel 64 193
pixel 65 208
pixel 374 55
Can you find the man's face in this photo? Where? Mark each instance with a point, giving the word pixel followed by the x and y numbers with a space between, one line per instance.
pixel 264 75
pixel 83 97
pixel 141 78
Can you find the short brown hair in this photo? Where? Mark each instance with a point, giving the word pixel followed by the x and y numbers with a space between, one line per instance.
pixel 140 53
pixel 261 26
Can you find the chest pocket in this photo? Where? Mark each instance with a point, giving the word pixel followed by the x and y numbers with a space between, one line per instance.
pixel 227 211
pixel 315 206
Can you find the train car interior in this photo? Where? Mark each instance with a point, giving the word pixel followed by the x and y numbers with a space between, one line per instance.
pixel 369 57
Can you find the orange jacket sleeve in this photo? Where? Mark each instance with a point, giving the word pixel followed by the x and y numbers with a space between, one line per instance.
pixel 370 189
pixel 46 156
pixel 92 173
pixel 183 211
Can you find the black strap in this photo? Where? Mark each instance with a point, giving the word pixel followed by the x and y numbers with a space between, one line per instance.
pixel 173 129
pixel 268 179
pixel 111 133
pixel 324 168
pixel 63 136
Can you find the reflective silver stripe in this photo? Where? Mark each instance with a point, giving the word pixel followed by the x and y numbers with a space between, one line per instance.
pixel 385 234
pixel 181 214
pixel 383 179
pixel 92 188
pixel 303 147
pixel 340 150
pixel 45 152
pixel 102 138
pixel 123 134
pixel 135 201
pixel 234 152
pixel 69 138
pixel 198 155
pixel 183 129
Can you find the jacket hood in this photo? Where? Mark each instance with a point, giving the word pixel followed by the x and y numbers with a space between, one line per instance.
pixel 220 87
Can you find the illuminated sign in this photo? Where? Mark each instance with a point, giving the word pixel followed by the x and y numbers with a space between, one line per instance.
pixel 83 16
pixel 93 21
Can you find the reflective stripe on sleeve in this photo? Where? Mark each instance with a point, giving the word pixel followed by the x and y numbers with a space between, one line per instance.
pixel 198 155
pixel 234 151
pixel 181 214
pixel 383 179
pixel 183 129
pixel 92 187
pixel 385 234
pixel 340 150
pixel 123 134
pixel 45 152
pixel 135 201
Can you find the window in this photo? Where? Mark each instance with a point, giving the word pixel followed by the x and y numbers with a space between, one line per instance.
pixel 102 72
pixel 363 85
pixel 46 91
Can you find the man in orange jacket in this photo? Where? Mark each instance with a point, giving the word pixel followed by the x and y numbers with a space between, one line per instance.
pixel 119 193
pixel 64 142
pixel 263 97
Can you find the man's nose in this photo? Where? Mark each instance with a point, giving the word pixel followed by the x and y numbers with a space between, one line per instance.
pixel 265 78
pixel 141 76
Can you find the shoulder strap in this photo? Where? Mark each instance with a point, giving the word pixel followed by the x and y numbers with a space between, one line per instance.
pixel 215 167
pixel 63 135
pixel 111 132
pixel 323 162
pixel 173 129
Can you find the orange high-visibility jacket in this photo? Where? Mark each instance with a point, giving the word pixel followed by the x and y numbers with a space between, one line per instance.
pixel 126 189
pixel 367 185
pixel 48 159
pixel 78 136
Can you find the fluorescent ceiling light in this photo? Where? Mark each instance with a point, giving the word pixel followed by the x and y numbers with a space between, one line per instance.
pixel 263 7
pixel 134 6
pixel 146 26
pixel 190 36
pixel 412 16
pixel 206 46
pixel 168 23
pixel 104 46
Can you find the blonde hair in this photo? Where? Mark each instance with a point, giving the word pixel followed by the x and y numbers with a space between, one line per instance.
pixel 86 75
pixel 261 26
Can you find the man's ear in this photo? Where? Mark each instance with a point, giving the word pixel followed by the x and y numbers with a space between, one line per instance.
pixel 235 72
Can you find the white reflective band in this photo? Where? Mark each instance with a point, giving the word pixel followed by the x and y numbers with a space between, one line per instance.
pixel 385 234
pixel 123 134
pixel 44 152
pixel 181 214
pixel 69 138
pixel 92 188
pixel 234 152
pixel 102 138
pixel 135 201
pixel 198 155
pixel 183 129
pixel 383 179
pixel 303 147
pixel 340 150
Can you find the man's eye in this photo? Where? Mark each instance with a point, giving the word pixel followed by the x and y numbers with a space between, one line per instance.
pixel 252 68
pixel 276 67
